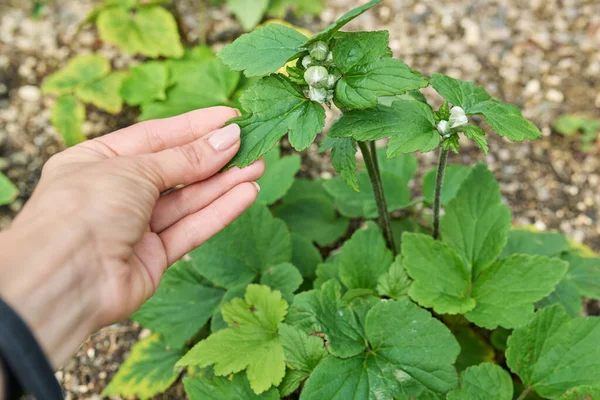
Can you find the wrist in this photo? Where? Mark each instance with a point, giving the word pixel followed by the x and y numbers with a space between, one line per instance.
pixel 47 278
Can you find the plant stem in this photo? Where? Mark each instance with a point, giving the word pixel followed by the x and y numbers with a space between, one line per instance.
pixel 385 221
pixel 524 394
pixel 439 183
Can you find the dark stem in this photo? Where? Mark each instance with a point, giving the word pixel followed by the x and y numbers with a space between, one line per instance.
pixel 439 183
pixel 524 394
pixel 385 221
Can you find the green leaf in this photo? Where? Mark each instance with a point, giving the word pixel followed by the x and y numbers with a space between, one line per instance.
pixel 189 77
pixel 413 359
pixel 476 134
pixel 364 258
pixel 217 322
pixel 79 71
pixel 332 29
pixel 283 277
pixel 505 119
pixel 301 7
pixel 394 283
pixel 148 371
pixel 582 393
pixel 476 223
pixel 566 293
pixel 279 176
pixel 460 93
pixel 291 382
pixel 305 256
pixel 343 158
pixel 250 343
pixel 453 179
pixel 324 311
pixel 147 82
pixel 249 13
pixel 150 31
pixel 585 274
pixel 236 388
pixel 504 292
pixel 8 191
pixel 353 49
pixel 302 352
pixel 441 279
pixel 181 306
pixel 404 165
pixel 483 382
pixel 362 204
pixel 569 125
pixel 104 93
pixel 474 349
pixel 313 218
pixel 325 272
pixel 554 353
pixel 68 115
pixel 408 123
pixel 360 87
pixel 528 241
pixel 264 50
pixel 277 106
pixel 499 337
pixel 260 241
pixel 399 226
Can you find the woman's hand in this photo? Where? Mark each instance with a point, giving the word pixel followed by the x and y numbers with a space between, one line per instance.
pixel 95 238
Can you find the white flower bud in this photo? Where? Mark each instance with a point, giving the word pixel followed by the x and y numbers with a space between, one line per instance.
pixel 306 61
pixel 331 80
pixel 316 77
pixel 457 117
pixel 330 94
pixel 318 95
pixel 318 51
pixel 442 127
pixel 329 59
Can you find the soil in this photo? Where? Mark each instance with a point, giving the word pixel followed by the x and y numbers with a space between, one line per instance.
pixel 541 55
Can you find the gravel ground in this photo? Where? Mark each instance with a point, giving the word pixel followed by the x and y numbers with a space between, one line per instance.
pixel 542 55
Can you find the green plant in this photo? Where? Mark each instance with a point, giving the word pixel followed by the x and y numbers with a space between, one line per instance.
pixel 8 191
pixel 250 13
pixel 569 125
pixel 259 311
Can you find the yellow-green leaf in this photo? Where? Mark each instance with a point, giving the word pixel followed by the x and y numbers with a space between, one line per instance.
pixel 79 71
pixel 8 191
pixel 67 117
pixel 150 31
pixel 147 82
pixel 250 343
pixel 104 93
pixel 149 370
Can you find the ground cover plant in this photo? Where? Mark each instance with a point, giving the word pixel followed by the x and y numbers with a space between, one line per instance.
pixel 570 125
pixel 421 304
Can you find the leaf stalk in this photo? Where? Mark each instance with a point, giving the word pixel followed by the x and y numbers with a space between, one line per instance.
pixel 439 183
pixel 369 152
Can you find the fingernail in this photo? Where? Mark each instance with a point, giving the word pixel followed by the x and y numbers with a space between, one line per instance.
pixel 225 137
pixel 237 112
pixel 257 186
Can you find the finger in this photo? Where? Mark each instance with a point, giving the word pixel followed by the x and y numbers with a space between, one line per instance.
pixel 195 229
pixel 191 199
pixel 161 134
pixel 192 162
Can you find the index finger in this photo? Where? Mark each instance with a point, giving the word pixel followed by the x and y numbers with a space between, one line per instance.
pixel 161 134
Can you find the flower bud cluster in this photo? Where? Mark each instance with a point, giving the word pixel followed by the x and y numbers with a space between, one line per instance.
pixel 321 74
pixel 457 119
